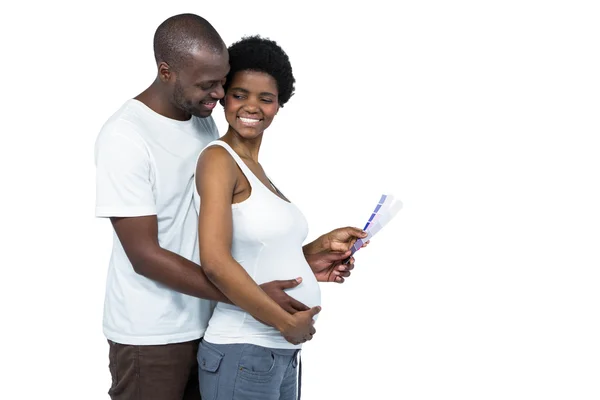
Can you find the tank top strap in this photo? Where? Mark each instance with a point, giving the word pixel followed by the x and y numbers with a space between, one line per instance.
pixel 249 174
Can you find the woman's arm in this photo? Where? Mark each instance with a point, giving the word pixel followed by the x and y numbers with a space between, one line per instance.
pixel 216 179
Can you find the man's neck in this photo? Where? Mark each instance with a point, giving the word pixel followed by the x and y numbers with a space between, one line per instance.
pixel 158 101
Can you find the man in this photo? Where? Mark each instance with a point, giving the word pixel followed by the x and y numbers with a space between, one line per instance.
pixel 158 300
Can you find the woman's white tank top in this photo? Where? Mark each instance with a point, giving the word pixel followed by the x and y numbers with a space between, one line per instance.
pixel 268 234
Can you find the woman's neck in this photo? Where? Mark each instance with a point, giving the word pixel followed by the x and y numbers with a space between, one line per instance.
pixel 245 148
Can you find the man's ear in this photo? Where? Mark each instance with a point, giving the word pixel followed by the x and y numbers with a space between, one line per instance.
pixel 164 72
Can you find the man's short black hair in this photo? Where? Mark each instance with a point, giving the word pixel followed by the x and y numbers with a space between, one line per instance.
pixel 253 53
pixel 180 35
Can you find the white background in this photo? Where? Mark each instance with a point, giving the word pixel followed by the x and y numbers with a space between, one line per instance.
pixel 482 116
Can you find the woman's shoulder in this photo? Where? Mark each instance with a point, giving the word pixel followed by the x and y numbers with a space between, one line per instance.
pixel 215 157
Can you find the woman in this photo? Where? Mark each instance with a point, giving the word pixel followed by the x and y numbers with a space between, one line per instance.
pixel 250 233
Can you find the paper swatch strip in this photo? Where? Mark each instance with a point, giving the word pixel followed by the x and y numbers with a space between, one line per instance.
pixel 384 211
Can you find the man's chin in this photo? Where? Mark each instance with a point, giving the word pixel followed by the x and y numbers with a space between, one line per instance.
pixel 202 113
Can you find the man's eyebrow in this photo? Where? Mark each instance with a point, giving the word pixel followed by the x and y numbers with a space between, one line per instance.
pixel 210 81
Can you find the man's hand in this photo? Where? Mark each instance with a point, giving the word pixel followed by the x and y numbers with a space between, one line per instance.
pixel 275 290
pixel 328 267
pixel 325 255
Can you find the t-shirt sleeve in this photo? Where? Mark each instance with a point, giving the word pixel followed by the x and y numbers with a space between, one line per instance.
pixel 124 180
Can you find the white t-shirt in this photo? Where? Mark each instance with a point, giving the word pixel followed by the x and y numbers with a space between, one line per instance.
pixel 145 165
pixel 267 237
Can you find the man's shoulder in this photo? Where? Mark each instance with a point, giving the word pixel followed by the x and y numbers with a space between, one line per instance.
pixel 126 122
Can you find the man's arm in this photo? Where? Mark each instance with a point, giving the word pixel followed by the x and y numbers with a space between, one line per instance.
pixel 139 237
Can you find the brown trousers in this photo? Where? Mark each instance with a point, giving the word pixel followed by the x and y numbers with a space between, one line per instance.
pixel 164 372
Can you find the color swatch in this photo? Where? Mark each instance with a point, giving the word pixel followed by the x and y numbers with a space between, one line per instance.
pixel 387 207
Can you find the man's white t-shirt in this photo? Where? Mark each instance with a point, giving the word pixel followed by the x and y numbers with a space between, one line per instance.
pixel 145 165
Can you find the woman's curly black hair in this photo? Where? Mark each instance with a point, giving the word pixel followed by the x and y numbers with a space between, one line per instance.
pixel 254 53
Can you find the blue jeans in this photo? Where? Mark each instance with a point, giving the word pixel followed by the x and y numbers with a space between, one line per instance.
pixel 247 372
